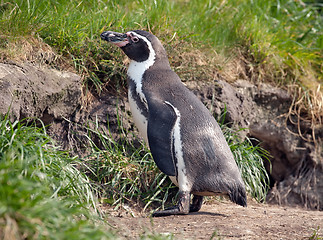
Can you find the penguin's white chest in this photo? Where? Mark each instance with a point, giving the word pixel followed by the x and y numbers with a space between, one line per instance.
pixel 135 72
pixel 139 119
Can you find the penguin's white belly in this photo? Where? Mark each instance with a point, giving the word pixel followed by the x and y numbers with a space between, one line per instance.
pixel 182 180
pixel 138 117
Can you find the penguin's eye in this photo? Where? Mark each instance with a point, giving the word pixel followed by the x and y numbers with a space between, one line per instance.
pixel 135 39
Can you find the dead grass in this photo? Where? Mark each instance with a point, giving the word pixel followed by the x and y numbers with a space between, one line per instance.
pixel 306 111
pixel 34 50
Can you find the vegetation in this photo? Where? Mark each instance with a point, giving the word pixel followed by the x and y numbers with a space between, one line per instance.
pixel 250 160
pixel 277 41
pixel 273 41
pixel 285 33
pixel 124 169
pixel 42 194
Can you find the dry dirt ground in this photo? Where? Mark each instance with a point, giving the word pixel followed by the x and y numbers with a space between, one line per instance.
pixel 223 220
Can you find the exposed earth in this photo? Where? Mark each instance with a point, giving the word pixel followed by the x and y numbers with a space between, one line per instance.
pixel 223 220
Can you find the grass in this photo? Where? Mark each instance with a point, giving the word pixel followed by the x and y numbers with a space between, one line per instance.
pixel 250 158
pixel 316 234
pixel 124 170
pixel 42 194
pixel 271 41
pixel 283 31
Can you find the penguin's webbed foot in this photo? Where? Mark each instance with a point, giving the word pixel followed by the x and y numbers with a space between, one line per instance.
pixel 196 203
pixel 182 208
pixel 170 211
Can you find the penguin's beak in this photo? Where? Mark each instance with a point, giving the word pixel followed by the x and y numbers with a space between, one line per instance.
pixel 119 39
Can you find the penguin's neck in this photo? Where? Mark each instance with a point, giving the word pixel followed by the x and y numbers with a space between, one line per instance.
pixel 137 99
pixel 136 72
pixel 136 69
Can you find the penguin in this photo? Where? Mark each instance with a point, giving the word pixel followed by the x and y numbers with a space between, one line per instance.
pixel 185 140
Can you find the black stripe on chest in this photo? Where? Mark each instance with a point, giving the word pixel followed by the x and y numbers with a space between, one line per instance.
pixel 135 96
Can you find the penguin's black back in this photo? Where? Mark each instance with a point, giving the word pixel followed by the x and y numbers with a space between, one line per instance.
pixel 208 159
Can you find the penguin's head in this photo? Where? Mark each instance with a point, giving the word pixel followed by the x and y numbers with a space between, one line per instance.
pixel 138 45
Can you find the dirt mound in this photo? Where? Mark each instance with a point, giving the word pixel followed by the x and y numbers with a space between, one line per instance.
pixel 34 91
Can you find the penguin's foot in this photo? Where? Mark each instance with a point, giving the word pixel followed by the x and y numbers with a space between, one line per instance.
pixel 196 203
pixel 182 208
pixel 169 211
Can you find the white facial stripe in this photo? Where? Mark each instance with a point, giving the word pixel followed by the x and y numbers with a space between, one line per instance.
pixel 136 69
pixel 183 183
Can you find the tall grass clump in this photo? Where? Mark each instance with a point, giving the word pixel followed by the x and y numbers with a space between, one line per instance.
pixel 124 169
pixel 21 18
pixel 42 194
pixel 250 160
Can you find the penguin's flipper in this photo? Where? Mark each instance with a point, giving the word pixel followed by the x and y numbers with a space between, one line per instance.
pixel 161 121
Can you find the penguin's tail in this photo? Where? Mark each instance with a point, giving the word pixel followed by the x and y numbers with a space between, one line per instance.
pixel 238 195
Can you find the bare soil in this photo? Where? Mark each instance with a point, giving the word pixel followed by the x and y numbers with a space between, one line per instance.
pixel 222 220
